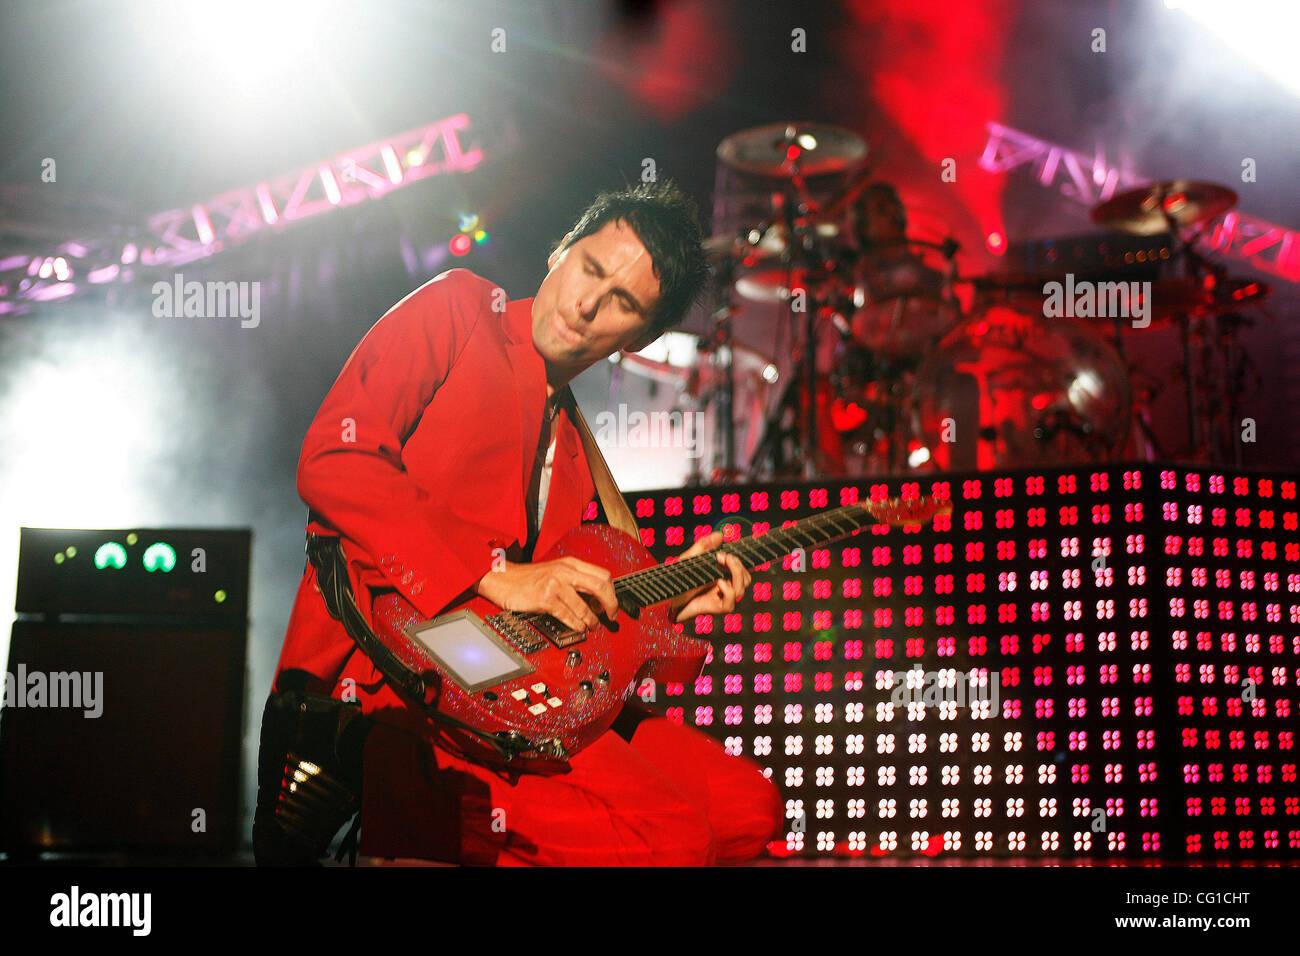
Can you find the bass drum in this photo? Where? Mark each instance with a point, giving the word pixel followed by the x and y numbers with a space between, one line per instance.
pixel 1009 388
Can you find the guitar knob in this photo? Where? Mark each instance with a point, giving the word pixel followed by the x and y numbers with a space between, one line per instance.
pixel 573 659
pixel 584 691
pixel 603 677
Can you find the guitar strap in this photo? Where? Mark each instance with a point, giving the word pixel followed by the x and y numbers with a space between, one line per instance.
pixel 611 499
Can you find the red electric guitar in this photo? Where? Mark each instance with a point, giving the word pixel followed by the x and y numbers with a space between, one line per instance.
pixel 539 692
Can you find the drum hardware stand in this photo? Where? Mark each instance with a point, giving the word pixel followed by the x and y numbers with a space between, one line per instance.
pixel 800 229
pixel 805 351
pixel 775 431
pixel 804 230
pixel 1184 209
pixel 1145 442
pixel 1238 366
pixel 721 344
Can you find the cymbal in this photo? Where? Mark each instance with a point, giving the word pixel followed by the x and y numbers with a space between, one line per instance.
pixel 1147 211
pixel 760 247
pixel 773 150
pixel 723 247
pixel 772 285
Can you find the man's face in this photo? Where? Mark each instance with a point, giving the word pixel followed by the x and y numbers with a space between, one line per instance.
pixel 598 297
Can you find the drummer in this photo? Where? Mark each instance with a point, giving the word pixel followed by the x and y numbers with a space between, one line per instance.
pixel 886 266
pixel 896 312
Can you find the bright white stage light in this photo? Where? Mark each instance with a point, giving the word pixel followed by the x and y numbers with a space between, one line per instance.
pixel 1262 31
pixel 247 44
pixel 83 435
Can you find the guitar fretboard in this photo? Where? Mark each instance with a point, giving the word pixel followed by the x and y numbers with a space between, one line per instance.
pixel 652 585
pixel 666 581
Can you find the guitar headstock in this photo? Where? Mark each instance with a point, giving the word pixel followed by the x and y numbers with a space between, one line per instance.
pixel 899 511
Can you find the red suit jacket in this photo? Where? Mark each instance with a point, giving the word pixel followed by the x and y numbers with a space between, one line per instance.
pixel 419 459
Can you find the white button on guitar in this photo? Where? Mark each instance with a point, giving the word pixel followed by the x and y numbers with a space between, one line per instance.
pixel 539 688
pixel 537 709
pixel 554 701
pixel 519 694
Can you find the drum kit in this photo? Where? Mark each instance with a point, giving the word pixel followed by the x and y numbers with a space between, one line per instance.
pixel 883 371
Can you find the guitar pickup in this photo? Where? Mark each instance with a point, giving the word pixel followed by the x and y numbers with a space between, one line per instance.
pixel 567 639
pixel 558 633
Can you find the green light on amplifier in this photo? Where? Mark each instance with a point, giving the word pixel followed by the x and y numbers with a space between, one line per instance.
pixel 159 557
pixel 70 551
pixel 58 558
pixel 131 539
pixel 219 597
pixel 110 555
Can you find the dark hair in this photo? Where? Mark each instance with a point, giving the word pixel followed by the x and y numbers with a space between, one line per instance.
pixel 895 213
pixel 666 220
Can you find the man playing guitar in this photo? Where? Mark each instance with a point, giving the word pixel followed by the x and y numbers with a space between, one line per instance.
pixel 442 460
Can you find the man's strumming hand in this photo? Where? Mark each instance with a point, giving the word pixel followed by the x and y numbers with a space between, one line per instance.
pixel 716 598
pixel 566 588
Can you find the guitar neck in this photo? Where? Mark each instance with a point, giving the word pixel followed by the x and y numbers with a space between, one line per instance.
pixel 653 585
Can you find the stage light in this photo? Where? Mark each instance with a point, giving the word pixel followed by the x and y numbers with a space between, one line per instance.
pixel 254 45
pixel 1262 31
pixel 1109 694
pixel 59 290
pixel 159 557
pixel 391 165
pixel 110 555
pixel 996 242
pixel 468 222
pixel 89 426
pixel 330 185
pixel 480 236
pixel 460 244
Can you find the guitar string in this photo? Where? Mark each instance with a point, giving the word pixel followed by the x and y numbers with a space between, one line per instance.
pixel 646 591
pixel 636 582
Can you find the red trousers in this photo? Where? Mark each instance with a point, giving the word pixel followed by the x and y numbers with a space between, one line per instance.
pixel 671 796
